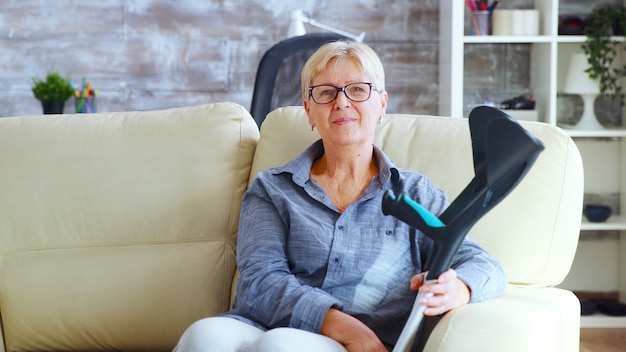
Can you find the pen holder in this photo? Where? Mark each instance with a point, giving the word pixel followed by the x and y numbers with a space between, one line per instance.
pixel 481 23
pixel 85 105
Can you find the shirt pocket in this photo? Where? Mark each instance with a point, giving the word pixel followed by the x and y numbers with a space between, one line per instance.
pixel 308 249
pixel 385 255
pixel 386 266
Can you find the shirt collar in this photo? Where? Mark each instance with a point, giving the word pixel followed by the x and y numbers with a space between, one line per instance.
pixel 300 167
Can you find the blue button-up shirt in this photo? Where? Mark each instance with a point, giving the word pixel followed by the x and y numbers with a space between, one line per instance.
pixel 299 256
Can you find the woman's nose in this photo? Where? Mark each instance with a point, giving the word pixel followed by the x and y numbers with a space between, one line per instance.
pixel 342 99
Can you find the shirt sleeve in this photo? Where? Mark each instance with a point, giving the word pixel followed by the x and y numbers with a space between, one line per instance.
pixel 267 291
pixel 481 272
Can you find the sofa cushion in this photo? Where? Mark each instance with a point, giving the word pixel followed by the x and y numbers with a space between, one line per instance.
pixel 533 232
pixel 118 230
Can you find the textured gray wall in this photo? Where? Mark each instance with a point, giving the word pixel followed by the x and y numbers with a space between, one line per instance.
pixel 151 54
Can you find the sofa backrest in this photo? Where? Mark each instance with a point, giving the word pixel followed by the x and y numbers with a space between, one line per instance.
pixel 533 232
pixel 118 230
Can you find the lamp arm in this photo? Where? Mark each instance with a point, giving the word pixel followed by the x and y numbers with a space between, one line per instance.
pixel 312 22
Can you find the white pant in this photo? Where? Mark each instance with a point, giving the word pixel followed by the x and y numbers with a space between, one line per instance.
pixel 222 334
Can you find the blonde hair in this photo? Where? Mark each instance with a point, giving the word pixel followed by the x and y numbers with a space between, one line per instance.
pixel 337 51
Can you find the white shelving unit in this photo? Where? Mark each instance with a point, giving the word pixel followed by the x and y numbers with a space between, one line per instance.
pixel 549 59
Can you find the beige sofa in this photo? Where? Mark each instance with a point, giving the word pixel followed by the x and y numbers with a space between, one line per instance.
pixel 118 230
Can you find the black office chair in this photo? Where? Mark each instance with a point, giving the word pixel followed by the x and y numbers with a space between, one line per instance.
pixel 283 63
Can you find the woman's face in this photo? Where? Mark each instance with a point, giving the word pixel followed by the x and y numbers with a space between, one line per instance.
pixel 344 122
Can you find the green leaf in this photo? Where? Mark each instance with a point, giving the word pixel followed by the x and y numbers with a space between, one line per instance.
pixel 53 88
pixel 602 50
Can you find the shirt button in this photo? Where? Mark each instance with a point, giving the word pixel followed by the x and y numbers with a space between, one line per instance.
pixel 336 260
pixel 389 232
pixel 340 227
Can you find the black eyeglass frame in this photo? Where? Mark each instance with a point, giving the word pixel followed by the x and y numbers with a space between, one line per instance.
pixel 342 89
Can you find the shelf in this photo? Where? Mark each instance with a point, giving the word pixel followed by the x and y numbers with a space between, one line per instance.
pixel 605 133
pixel 571 39
pixel 462 83
pixel 613 223
pixel 580 39
pixel 506 39
pixel 602 321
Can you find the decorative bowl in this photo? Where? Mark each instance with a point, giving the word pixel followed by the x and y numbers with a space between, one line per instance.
pixel 597 213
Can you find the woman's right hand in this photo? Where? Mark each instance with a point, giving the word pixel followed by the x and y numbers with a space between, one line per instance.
pixel 350 332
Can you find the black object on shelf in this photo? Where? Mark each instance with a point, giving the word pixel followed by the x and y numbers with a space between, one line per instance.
pixel 606 306
pixel 519 103
pixel 597 213
pixel 572 25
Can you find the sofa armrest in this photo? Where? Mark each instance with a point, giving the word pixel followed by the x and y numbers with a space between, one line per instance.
pixel 523 319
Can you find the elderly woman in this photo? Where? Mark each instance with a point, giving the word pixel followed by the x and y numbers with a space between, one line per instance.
pixel 322 269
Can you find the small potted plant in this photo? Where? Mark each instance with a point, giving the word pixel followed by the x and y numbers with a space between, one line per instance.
pixel 602 50
pixel 53 92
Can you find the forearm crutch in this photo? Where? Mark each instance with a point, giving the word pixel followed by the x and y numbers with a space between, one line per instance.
pixel 503 152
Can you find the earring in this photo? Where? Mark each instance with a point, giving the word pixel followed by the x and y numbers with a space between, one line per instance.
pixel 312 127
pixel 380 119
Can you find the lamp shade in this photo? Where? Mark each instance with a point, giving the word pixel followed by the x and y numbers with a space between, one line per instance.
pixel 577 80
pixel 296 24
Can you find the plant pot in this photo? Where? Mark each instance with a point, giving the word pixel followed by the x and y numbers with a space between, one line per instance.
pixel 53 107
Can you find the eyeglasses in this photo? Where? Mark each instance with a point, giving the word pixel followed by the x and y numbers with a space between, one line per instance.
pixel 357 92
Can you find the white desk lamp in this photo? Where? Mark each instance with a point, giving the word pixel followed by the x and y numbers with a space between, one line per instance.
pixel 298 19
pixel 578 82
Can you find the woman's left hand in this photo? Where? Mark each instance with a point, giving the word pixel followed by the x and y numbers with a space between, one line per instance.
pixel 446 293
